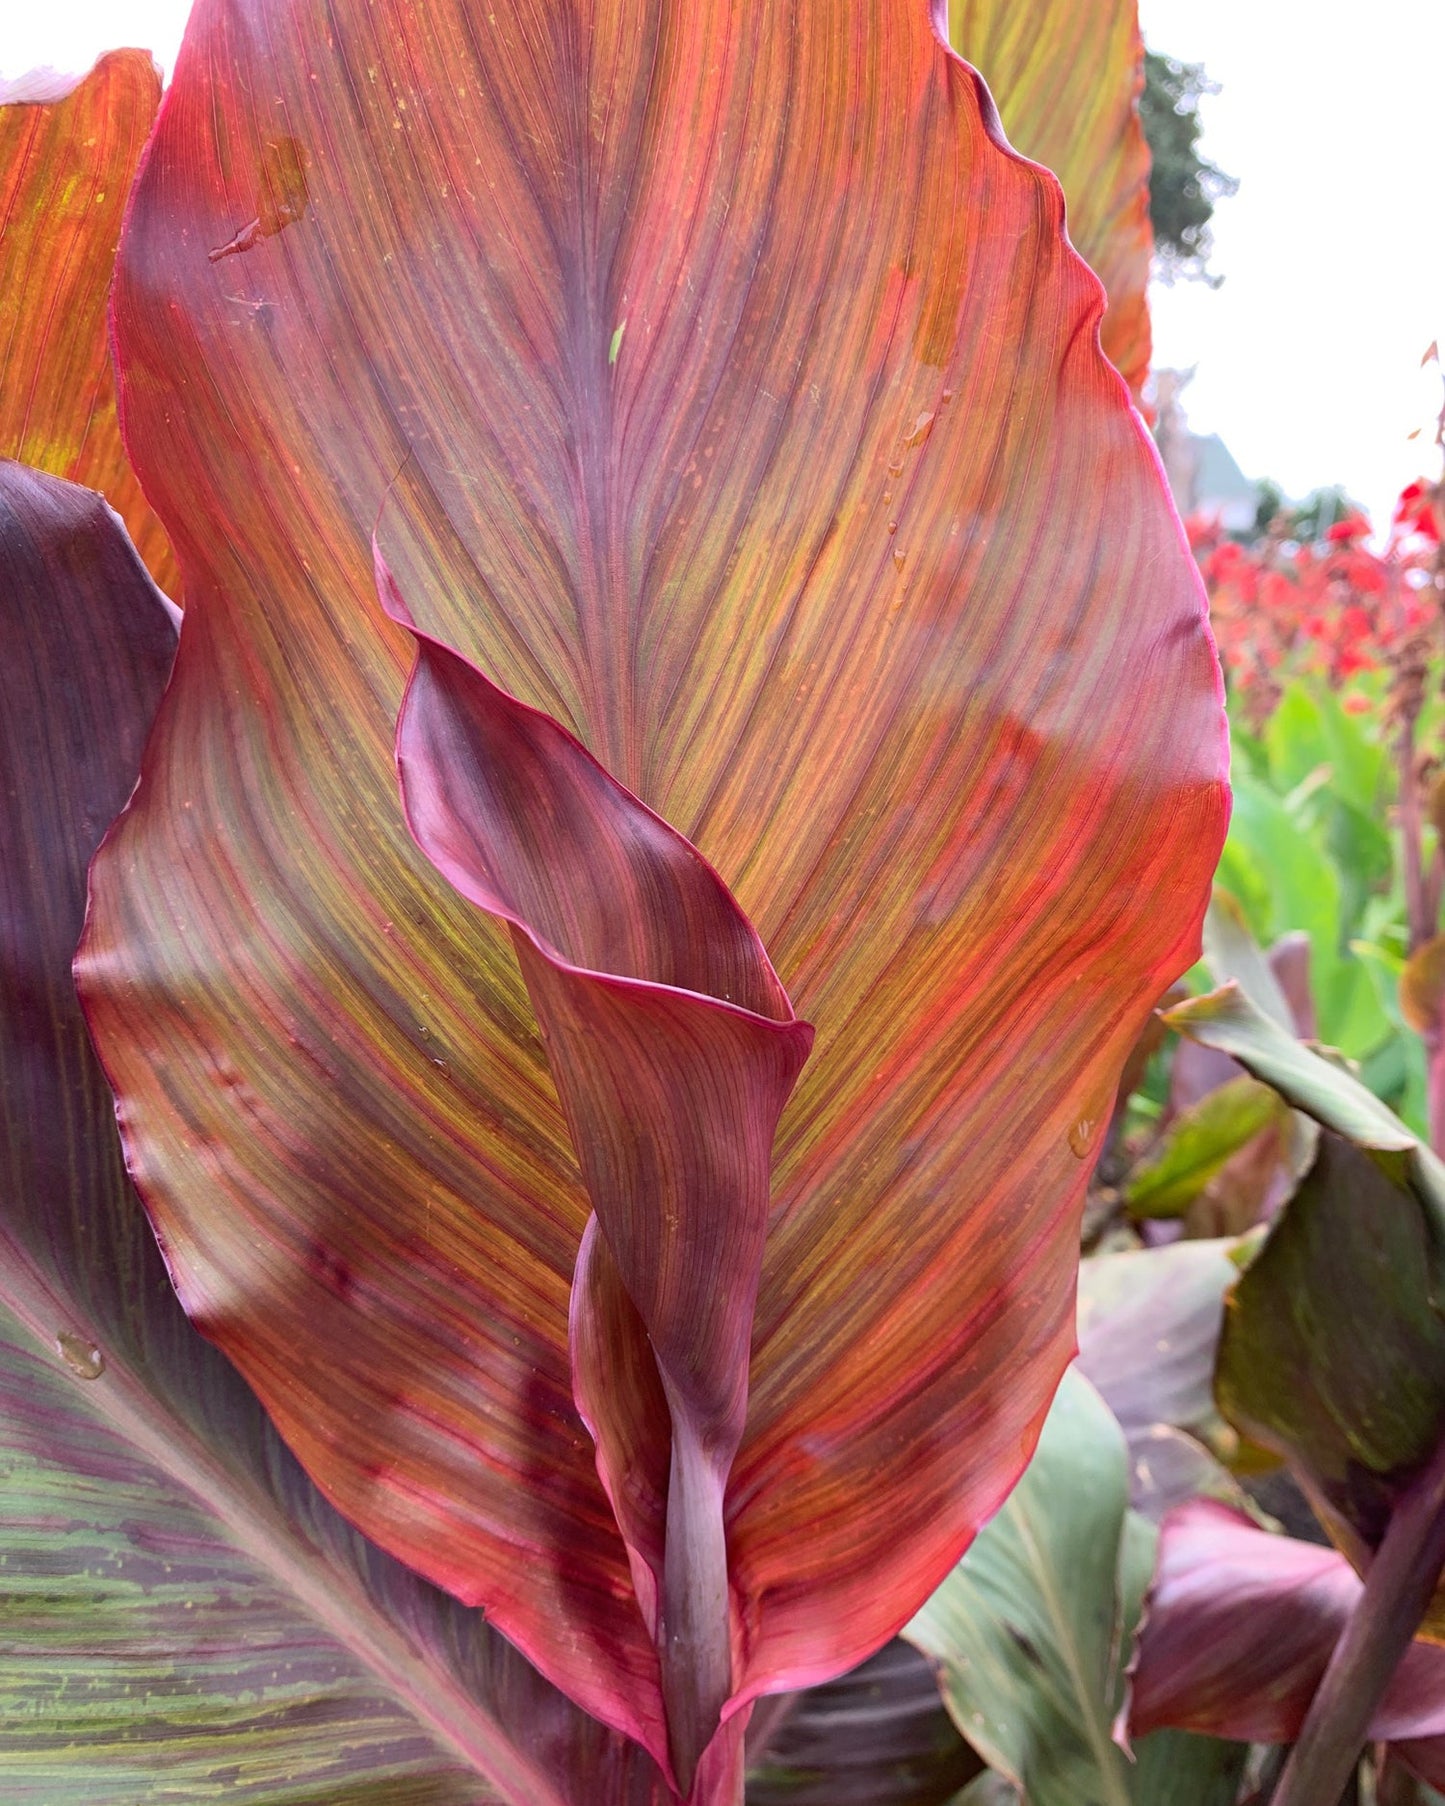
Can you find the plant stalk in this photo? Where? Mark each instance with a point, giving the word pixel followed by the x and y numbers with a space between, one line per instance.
pixel 1377 1633
pixel 1394 1784
pixel 1411 814
pixel 720 1776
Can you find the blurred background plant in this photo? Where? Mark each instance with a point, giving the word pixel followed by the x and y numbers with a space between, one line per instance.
pixel 1330 634
pixel 1183 183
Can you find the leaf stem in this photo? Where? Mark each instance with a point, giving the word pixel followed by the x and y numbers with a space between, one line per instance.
pixel 1377 1633
pixel 1394 1784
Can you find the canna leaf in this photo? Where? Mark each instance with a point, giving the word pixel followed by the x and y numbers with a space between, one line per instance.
pixel 65 171
pixel 989 1789
pixel 1228 1021
pixel 184 1615
pixel 974 860
pixel 1272 981
pixel 674 1049
pixel 1149 1323
pixel 1199 1143
pixel 1032 1631
pixel 1262 1175
pixel 876 1737
pixel 1354 1399
pixel 1238 1627
pixel 1164 1305
pixel 1067 79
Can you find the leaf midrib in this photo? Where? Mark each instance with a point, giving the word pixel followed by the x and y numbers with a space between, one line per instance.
pixel 1101 1747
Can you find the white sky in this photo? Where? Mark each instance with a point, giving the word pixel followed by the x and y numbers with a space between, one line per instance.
pixel 1333 252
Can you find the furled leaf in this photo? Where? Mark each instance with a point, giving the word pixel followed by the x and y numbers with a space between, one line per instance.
pixel 65 171
pixel 876 1737
pixel 974 856
pixel 629 943
pixel 1031 1631
pixel 183 1614
pixel 1067 79
pixel 1238 1627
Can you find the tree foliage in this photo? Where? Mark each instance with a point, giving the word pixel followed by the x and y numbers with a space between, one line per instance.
pixel 1183 185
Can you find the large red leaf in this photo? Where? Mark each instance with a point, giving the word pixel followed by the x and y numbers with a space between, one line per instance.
pixel 65 172
pixel 1067 75
pixel 739 406
pixel 184 1615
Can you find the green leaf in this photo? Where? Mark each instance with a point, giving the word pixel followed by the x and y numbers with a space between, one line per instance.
pixel 1198 1144
pixel 1333 1351
pixel 1031 1632
pixel 1363 855
pixel 1177 1768
pixel 1294 739
pixel 1277 856
pixel 1304 887
pixel 989 1789
pixel 1359 766
pixel 1243 877
pixel 1228 1021
pixel 1231 951
pixel 1308 732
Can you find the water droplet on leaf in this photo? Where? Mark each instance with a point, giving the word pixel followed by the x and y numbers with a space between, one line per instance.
pixel 80 1355
pixel 1081 1136
pixel 922 427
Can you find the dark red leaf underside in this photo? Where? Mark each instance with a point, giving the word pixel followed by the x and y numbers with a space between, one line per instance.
pixel 1238 1628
